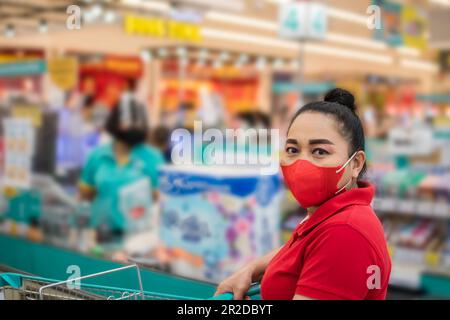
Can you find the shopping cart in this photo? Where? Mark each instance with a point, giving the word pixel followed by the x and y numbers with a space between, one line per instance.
pixel 14 286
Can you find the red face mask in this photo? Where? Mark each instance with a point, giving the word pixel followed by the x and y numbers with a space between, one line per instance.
pixel 312 185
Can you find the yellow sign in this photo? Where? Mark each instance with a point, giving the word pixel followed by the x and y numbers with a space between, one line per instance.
pixel 162 28
pixel 28 112
pixel 414 25
pixel 63 71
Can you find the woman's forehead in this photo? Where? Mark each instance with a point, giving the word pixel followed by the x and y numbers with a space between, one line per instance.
pixel 314 125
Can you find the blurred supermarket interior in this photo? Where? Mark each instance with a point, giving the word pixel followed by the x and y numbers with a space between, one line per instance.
pixel 64 66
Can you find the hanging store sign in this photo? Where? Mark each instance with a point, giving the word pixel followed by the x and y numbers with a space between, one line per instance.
pixel 414 26
pixel 131 67
pixel 63 72
pixel 390 31
pixel 401 25
pixel 162 28
pixel 22 68
pixel 303 20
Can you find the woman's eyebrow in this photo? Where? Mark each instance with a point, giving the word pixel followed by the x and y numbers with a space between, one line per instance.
pixel 320 141
pixel 292 141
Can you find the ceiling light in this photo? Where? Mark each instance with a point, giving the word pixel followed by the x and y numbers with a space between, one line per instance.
pixel 237 19
pixel 162 52
pixel 203 54
pixel 261 63
pixel 224 56
pixel 181 51
pixel 110 16
pixel 278 63
pixel 10 32
pixel 43 26
pixel 217 64
pixel 347 53
pixel 146 55
pixel 148 5
pixel 419 64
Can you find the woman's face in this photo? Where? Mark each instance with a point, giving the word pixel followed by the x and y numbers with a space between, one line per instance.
pixel 315 137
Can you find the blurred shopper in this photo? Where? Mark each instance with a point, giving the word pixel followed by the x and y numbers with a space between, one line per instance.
pixel 120 177
pixel 160 138
pixel 339 250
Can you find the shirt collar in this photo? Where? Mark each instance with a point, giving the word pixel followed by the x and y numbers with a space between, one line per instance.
pixel 362 195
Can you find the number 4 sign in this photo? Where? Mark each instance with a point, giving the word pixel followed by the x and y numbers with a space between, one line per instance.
pixel 303 20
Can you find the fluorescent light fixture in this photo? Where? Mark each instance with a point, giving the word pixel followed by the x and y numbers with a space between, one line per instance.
pixel 217 34
pixel 441 2
pixel 147 5
pixel 346 53
pixel 217 64
pixel 230 5
pixel 347 15
pixel 240 20
pixel 413 52
pixel 356 41
pixel 419 65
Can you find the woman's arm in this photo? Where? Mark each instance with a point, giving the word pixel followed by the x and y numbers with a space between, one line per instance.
pixel 240 281
pixel 259 265
pixel 86 192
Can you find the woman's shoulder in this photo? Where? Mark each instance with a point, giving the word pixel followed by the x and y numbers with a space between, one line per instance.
pixel 147 152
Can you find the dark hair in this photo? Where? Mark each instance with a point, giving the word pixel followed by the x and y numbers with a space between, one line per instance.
pixel 340 104
pixel 134 132
pixel 161 135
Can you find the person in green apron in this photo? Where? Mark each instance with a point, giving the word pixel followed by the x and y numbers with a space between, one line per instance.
pixel 121 177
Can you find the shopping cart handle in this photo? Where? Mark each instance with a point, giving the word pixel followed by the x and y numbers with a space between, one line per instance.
pixel 253 291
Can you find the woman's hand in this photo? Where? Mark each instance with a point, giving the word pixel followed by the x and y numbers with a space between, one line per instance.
pixel 238 283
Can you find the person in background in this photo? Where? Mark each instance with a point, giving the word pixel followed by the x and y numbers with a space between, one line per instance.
pixel 121 177
pixel 160 138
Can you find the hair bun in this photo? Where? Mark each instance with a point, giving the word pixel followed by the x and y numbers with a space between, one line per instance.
pixel 342 97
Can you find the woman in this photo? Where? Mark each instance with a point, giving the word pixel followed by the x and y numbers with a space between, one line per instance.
pixel 119 177
pixel 338 251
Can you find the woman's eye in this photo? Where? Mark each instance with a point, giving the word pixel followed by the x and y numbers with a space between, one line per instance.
pixel 320 152
pixel 291 150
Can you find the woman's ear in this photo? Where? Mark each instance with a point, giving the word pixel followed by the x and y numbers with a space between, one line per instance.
pixel 358 163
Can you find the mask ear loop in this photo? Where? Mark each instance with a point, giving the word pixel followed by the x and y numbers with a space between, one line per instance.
pixel 347 162
pixel 343 166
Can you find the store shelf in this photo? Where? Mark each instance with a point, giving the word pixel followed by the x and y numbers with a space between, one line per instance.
pixel 421 208
pixel 406 275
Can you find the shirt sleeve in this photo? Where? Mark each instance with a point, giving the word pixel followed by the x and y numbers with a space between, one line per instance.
pixel 337 266
pixel 89 170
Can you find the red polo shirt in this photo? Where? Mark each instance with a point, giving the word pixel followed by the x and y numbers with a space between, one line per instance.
pixel 340 252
